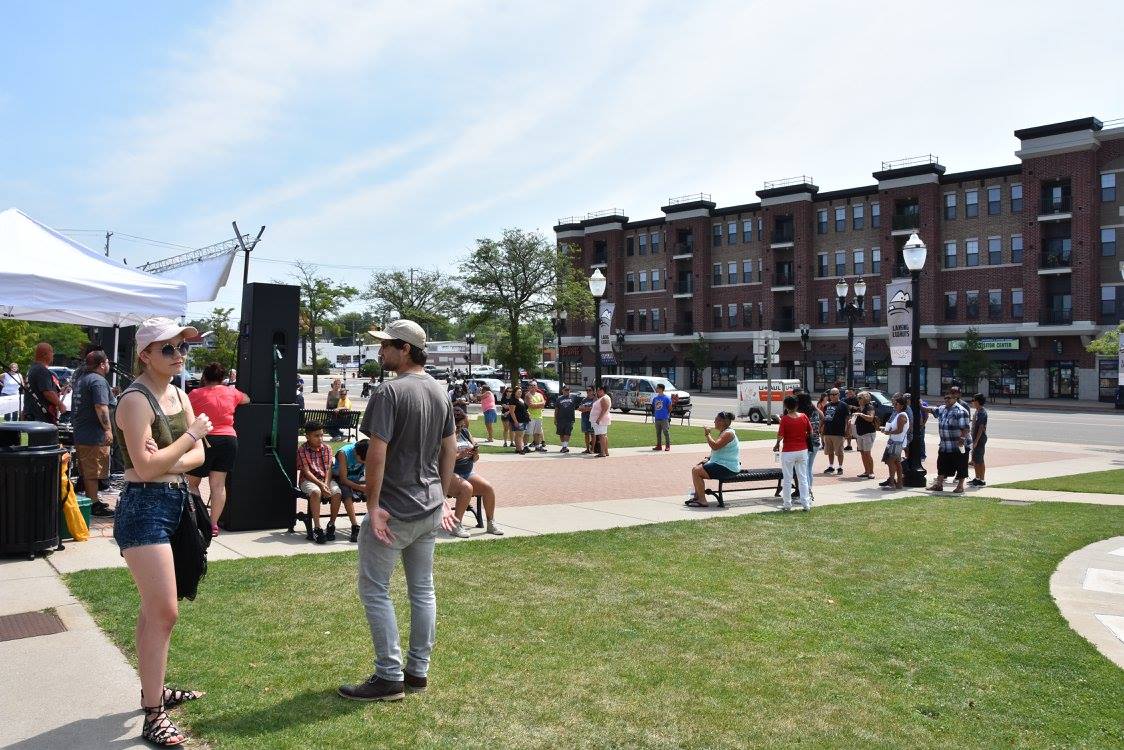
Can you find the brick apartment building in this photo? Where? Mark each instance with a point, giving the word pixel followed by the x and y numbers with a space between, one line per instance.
pixel 1025 253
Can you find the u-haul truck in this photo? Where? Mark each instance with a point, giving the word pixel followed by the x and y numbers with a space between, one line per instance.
pixel 754 395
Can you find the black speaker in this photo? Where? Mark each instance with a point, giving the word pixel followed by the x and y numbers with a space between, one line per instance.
pixel 269 319
pixel 258 495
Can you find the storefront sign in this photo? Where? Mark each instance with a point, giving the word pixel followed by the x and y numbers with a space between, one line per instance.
pixel 987 345
pixel 899 317
pixel 858 357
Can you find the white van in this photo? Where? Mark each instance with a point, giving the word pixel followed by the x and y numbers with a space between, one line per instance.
pixel 630 392
pixel 754 395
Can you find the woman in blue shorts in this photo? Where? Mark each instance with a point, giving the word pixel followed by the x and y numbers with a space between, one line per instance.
pixel 467 483
pixel 724 461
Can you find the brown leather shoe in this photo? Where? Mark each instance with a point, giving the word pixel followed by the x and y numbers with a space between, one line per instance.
pixel 415 684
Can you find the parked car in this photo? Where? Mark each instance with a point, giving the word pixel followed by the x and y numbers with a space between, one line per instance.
pixel 483 371
pixel 630 392
pixel 64 374
pixel 550 389
pixel 883 407
pixel 495 385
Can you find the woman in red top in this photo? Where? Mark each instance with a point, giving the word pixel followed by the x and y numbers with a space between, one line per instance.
pixel 795 431
pixel 218 402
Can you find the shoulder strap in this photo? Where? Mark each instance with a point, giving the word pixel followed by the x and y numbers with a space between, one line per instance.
pixel 152 401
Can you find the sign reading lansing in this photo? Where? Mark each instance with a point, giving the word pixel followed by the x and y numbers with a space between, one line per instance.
pixel 899 316
pixel 987 345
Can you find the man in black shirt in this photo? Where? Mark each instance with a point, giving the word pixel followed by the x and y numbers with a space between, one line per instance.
pixel 564 409
pixel 43 402
pixel 835 417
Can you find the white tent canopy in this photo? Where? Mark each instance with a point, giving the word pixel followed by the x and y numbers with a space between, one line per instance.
pixel 50 278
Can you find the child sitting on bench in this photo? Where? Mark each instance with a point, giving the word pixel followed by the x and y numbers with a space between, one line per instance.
pixel 314 477
pixel 351 474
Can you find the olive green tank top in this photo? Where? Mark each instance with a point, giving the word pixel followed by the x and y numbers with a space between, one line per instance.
pixel 165 429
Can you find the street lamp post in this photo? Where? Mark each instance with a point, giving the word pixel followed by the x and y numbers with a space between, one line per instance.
pixel 470 339
pixel 805 340
pixel 852 310
pixel 597 289
pixel 620 348
pixel 914 254
pixel 558 324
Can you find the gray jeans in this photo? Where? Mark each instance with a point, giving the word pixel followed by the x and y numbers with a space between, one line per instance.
pixel 414 542
pixel 663 433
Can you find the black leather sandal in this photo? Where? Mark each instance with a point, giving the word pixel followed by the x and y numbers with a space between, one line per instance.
pixel 159 729
pixel 173 697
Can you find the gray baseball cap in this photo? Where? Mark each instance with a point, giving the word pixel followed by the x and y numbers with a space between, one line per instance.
pixel 403 330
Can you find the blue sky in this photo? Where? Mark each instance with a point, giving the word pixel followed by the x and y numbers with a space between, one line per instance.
pixel 394 134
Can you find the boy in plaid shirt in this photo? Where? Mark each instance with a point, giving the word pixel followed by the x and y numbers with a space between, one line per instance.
pixel 314 476
pixel 956 443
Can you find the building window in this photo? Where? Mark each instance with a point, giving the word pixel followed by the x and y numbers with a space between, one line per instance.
pixel 655 280
pixel 994 251
pixel 840 263
pixel 950 255
pixel 716 275
pixel 718 316
pixel 950 305
pixel 971 203
pixel 747 271
pixel 1017 304
pixel 1108 187
pixel 828 372
pixel 630 282
pixel 1016 198
pixel 732 315
pixel 875 215
pixel 993 199
pixel 747 314
pixel 822 311
pixel 821 265
pixel 655 243
pixel 1016 248
pixel 630 321
pixel 747 230
pixel 972 303
pixel 643 244
pixel 840 219
pixel 950 206
pixel 760 229
pixel 716 236
pixel 732 233
pixel 643 281
pixel 994 304
pixel 971 253
pixel 732 272
pixel 1009 379
pixel 875 260
pixel 642 320
pixel 821 221
pixel 629 248
pixel 1108 302
pixel 1108 242
pixel 657 320
pixel 860 263
pixel 858 220
pixel 876 310
pixel 760 269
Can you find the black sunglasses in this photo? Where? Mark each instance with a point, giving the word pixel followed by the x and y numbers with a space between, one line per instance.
pixel 169 350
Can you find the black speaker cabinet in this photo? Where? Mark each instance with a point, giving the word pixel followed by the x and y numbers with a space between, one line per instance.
pixel 269 319
pixel 258 496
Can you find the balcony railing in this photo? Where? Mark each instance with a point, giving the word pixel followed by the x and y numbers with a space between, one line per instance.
pixel 683 329
pixel 911 220
pixel 1052 204
pixel 684 248
pixel 1056 316
pixel 784 277
pixel 684 286
pixel 784 324
pixel 1056 254
pixel 782 234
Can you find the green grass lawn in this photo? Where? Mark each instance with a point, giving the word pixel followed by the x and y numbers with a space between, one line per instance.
pixel 1110 482
pixel 923 623
pixel 622 434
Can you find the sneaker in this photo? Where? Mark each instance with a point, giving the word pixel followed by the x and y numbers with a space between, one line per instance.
pixel 415 684
pixel 355 534
pixel 330 533
pixel 318 536
pixel 493 529
pixel 505 445
pixel 374 689
pixel 667 447
pixel 887 483
pixel 657 448
pixel 101 510
pixel 848 448
pixel 541 449
pixel 981 483
pixel 839 471
pixel 807 507
pixel 786 508
pixel 564 450
pixel 459 531
pixel 829 470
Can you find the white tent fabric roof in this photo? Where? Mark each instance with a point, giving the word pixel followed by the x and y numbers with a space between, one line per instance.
pixel 48 277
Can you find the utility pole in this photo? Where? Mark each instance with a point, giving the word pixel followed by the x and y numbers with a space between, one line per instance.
pixel 107 236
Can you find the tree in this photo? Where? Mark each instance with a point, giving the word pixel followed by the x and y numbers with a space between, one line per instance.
pixel 352 325
pixel 974 361
pixel 16 343
pixel 19 337
pixel 225 350
pixel 522 278
pixel 321 298
pixel 1108 343
pixel 429 298
pixel 699 353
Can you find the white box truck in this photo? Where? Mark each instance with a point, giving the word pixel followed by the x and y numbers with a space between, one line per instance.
pixel 754 397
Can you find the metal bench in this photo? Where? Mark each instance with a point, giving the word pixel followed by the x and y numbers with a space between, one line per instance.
pixel 765 477
pixel 345 420
pixel 684 415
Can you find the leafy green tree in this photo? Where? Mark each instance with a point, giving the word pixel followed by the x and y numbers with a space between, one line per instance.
pixel 321 299
pixel 351 325
pixel 429 298
pixel 974 361
pixel 16 343
pixel 371 369
pixel 67 339
pixel 518 279
pixel 1108 343
pixel 698 353
pixel 225 351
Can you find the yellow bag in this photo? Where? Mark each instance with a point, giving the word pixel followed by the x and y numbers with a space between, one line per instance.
pixel 74 520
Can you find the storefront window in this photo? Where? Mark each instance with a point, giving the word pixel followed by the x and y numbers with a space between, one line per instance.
pixel 1061 379
pixel 877 377
pixel 948 376
pixel 755 372
pixel 827 372
pixel 723 375
pixel 666 370
pixel 1107 373
pixel 1010 379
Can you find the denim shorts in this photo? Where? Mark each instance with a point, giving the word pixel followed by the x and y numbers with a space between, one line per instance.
pixel 490 416
pixel 147 515
pixel 717 471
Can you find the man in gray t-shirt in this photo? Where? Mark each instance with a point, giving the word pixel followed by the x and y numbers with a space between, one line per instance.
pixel 409 466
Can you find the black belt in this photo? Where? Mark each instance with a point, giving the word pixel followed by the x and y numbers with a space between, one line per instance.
pixel 181 485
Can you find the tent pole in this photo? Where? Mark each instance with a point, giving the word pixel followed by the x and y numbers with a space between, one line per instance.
pixel 116 333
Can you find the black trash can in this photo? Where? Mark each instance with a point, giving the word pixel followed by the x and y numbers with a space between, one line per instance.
pixel 30 463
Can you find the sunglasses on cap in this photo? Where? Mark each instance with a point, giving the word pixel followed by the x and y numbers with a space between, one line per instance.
pixel 169 350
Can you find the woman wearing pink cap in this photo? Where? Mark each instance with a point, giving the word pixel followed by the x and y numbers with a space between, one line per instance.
pixel 161 440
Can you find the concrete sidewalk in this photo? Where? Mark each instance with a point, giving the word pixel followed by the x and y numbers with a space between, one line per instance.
pixel 88 694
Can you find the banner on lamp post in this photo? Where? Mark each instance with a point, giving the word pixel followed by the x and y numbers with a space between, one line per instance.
pixel 899 317
pixel 858 357
pixel 605 326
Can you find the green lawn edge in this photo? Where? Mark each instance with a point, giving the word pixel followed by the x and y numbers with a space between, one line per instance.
pixel 1109 482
